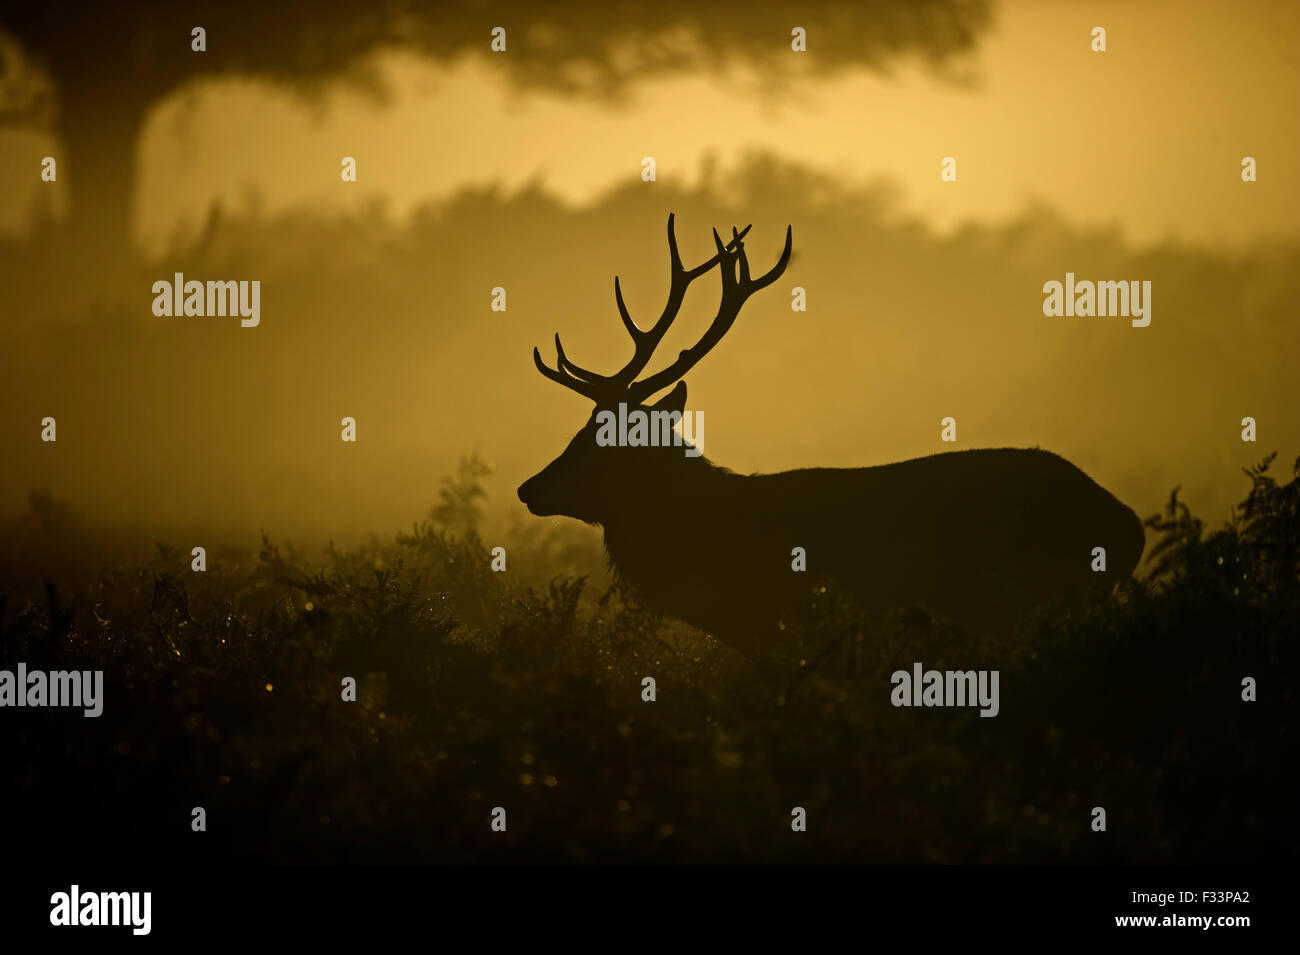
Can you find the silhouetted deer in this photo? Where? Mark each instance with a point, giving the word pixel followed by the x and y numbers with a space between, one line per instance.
pixel 980 537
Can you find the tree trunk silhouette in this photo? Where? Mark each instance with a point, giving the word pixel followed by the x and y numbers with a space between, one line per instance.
pixel 109 63
pixel 100 125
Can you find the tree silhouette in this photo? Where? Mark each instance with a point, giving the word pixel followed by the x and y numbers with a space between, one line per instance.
pixel 106 65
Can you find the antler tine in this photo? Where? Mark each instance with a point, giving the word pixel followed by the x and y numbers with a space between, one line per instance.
pixel 734 294
pixel 646 341
pixel 622 311
pixel 577 371
pixel 774 272
pixel 560 377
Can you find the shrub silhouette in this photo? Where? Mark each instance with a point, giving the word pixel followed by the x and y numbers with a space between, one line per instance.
pixel 476 689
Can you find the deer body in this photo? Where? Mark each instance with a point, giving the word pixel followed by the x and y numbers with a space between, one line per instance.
pixel 981 537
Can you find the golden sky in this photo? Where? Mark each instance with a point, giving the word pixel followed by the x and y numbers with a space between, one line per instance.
pixel 1147 136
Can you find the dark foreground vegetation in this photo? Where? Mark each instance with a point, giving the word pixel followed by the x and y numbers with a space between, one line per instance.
pixel 479 689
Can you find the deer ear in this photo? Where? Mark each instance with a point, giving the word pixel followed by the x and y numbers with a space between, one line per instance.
pixel 675 400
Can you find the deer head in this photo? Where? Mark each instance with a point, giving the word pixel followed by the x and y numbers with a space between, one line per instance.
pixel 589 481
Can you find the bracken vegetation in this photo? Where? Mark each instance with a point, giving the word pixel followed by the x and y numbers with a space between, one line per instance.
pixel 478 689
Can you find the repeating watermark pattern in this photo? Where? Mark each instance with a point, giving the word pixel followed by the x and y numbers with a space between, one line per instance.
pixel 74 907
pixel 923 687
pixel 631 423
pixel 71 688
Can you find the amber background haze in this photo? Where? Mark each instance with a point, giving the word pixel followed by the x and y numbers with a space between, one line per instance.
pixel 522 170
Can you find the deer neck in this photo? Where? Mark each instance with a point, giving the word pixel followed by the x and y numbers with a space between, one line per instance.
pixel 682 497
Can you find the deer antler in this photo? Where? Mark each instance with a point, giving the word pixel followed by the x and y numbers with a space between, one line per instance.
pixel 622 384
pixel 734 294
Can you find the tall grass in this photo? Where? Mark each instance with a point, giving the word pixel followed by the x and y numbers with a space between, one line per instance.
pixel 523 690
